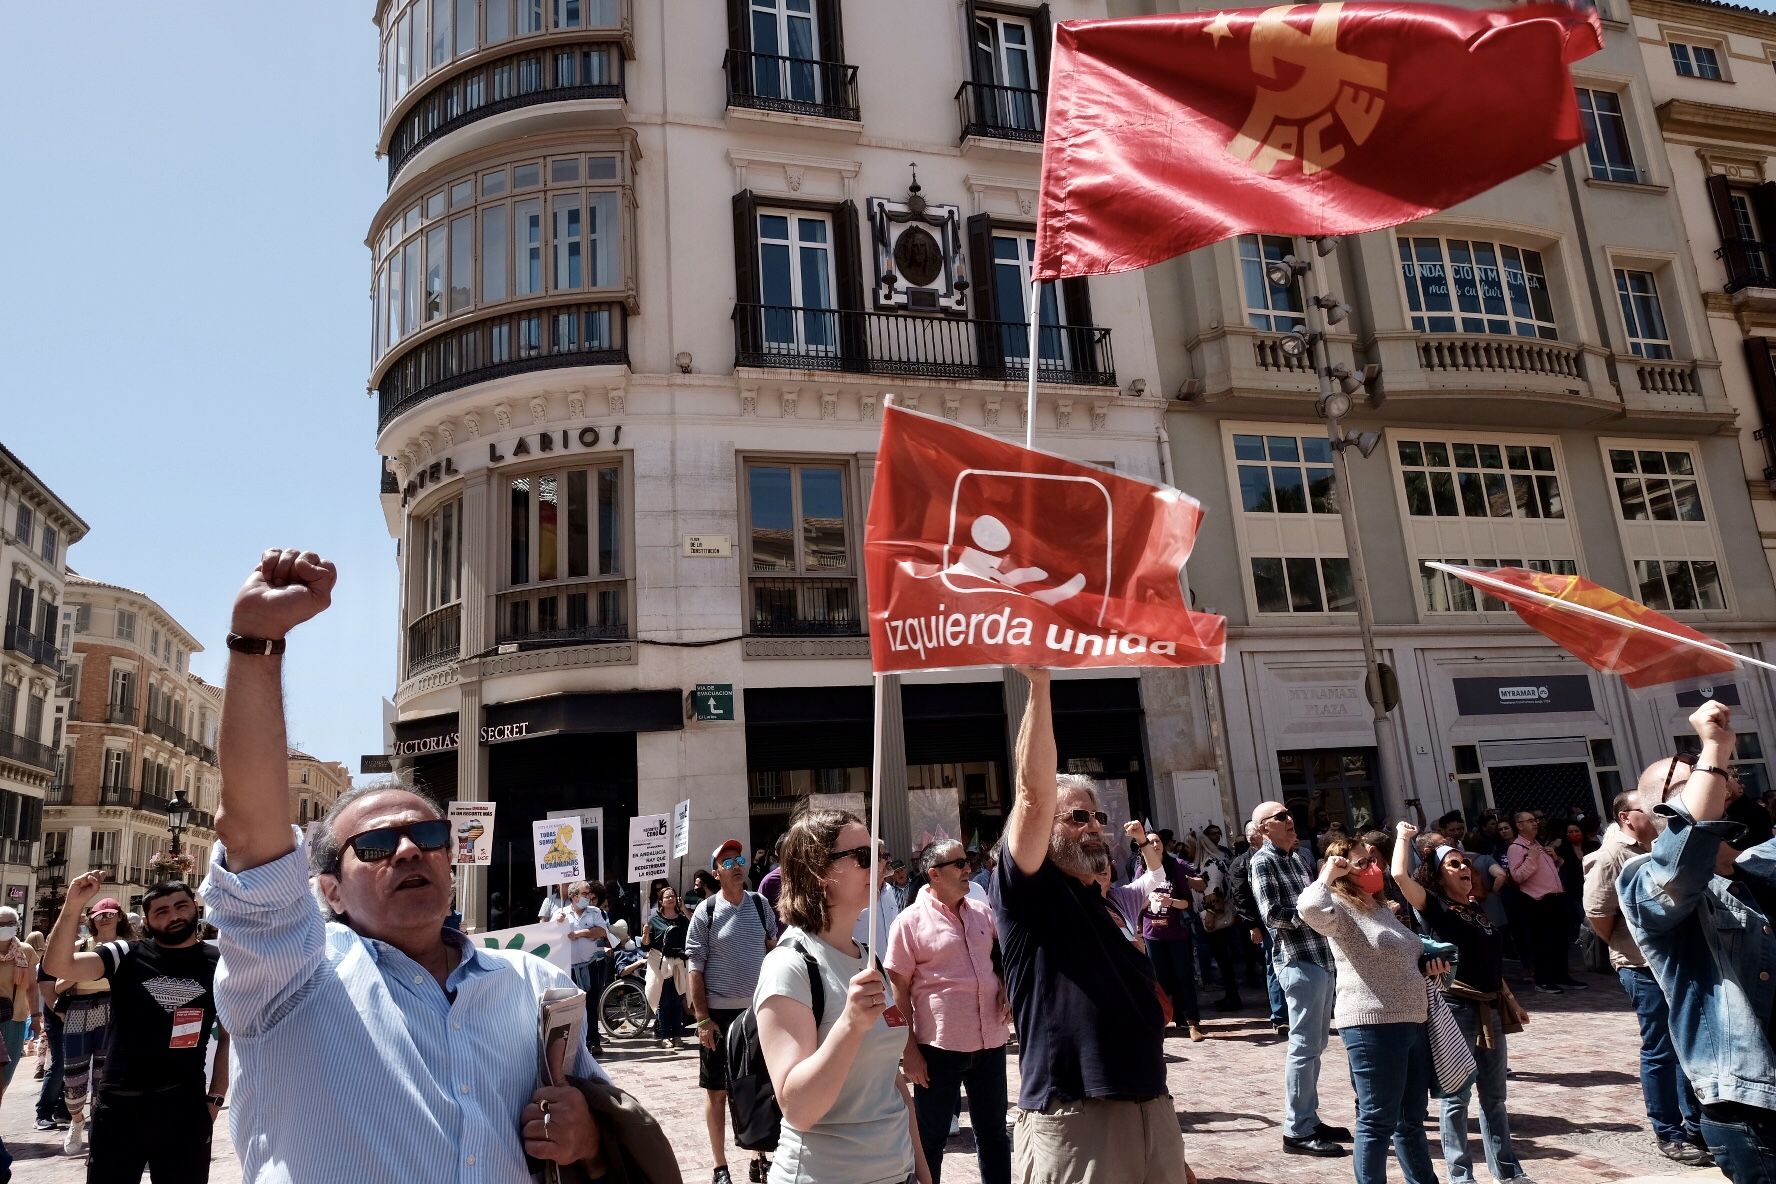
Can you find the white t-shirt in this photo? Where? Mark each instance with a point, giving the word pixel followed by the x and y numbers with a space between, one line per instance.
pixel 550 906
pixel 583 949
pixel 865 1137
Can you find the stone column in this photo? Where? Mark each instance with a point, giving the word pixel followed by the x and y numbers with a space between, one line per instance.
pixel 471 786
pixel 479 573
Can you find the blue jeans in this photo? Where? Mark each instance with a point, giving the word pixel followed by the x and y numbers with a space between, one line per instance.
pixel 1308 988
pixel 1670 1102
pixel 1742 1140
pixel 1279 1007
pixel 982 1074
pixel 1495 1125
pixel 51 1104
pixel 1173 966
pixel 1390 1068
pixel 669 1018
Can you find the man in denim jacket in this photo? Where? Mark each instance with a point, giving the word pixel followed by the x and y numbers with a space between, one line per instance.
pixel 1702 909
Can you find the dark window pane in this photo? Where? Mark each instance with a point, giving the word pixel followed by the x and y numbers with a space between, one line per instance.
pixel 1418 494
pixel 1688 496
pixel 1341 597
pixel 1411 453
pixel 824 546
pixel 1517 456
pixel 1443 494
pixel 1283 447
pixel 1621 460
pixel 1248 447
pixel 773 518
pixel 1255 489
pixel 579 526
pixel 1291 489
pixel 520 531
pixel 1633 499
pixel 1523 496
pixel 1542 458
pixel 1473 495
pixel 1708 595
pixel 1548 493
pixel 610 521
pixel 1304 585
pixel 1268 587
pixel 1316 450
pixel 1682 585
pixel 1660 501
pixel 1652 462
pixel 1651 584
pixel 1322 491
pixel 1436 455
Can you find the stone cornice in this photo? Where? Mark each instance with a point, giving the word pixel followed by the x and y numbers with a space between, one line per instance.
pixel 1712 121
pixel 1727 18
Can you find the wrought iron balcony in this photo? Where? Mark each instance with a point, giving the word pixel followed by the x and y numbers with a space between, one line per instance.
pixel 153 802
pixel 1000 112
pixel 567 612
pixel 546 338
pixel 26 751
pixel 860 342
pixel 797 86
pixel 59 794
pixel 1749 264
pixel 121 711
pixel 116 794
pixel 165 729
pixel 802 606
pixel 434 639
pixel 41 650
pixel 546 74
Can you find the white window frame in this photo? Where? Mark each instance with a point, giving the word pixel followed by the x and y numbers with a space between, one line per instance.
pixel 1511 320
pixel 1639 344
pixel 1692 46
pixel 1262 307
pixel 800 346
pixel 1053 342
pixel 1000 51
pixel 1266 535
pixel 437 535
pixel 1613 170
pixel 1658 541
pixel 125 625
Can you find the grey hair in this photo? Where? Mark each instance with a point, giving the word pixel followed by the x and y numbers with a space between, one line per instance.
pixel 1251 830
pixel 935 852
pixel 326 848
pixel 1077 781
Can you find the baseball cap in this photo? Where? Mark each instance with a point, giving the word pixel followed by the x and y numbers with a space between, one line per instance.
pixel 107 905
pixel 715 856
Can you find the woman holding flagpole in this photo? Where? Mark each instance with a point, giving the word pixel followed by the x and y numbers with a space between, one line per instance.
pixel 847 1114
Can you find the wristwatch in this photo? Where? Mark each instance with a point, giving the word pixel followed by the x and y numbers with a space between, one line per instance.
pixel 1715 769
pixel 215 1099
pixel 263 647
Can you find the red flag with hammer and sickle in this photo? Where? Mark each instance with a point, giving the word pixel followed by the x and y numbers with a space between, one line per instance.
pixel 1168 133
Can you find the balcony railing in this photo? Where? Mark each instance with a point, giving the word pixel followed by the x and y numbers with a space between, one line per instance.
pixel 802 606
pixel 206 754
pixel 153 802
pixel 121 711
pixel 1666 378
pixel 18 851
pixel 798 86
pixel 118 794
pixel 59 794
pixel 1269 354
pixel 203 819
pixel 547 74
pixel 1749 264
pixel 1000 112
pixel 434 639
pixel 1501 355
pixel 165 729
pixel 923 346
pixel 585 334
pixel 27 751
pixel 1762 436
pixel 568 612
pixel 41 650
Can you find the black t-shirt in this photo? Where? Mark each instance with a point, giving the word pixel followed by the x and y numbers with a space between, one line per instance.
pixel 1087 1016
pixel 162 1010
pixel 1469 930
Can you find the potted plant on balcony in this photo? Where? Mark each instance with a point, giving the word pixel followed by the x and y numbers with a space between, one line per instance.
pixel 169 865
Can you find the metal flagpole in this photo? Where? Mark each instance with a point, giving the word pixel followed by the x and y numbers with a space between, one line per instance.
pixel 869 912
pixel 1473 576
pixel 1035 329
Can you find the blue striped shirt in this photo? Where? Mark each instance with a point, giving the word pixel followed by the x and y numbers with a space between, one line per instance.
pixel 351 1063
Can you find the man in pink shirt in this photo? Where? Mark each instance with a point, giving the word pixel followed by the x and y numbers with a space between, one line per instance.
pixel 942 965
pixel 1541 939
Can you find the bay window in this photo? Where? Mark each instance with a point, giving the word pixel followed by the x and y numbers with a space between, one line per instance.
pixel 566 572
pixel 1666 526
pixel 1460 285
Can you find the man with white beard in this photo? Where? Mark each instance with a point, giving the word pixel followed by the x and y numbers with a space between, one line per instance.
pixel 1093 1103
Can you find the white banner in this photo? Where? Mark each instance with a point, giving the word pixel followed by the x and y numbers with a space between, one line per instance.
pixel 472 823
pixel 555 845
pixel 650 841
pixel 681 829
pixel 548 942
pixel 854 802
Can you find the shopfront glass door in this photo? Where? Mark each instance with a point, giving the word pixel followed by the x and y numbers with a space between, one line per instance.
pixel 1326 785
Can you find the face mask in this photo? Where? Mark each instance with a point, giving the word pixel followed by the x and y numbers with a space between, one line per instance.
pixel 581 902
pixel 1369 879
pixel 8 932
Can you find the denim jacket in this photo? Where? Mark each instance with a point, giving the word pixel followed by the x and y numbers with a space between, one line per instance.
pixel 1710 947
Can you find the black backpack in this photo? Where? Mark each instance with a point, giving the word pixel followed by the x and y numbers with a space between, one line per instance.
pixel 752 1100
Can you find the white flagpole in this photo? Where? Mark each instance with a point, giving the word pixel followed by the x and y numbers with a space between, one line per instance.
pixel 1035 329
pixel 1479 577
pixel 869 912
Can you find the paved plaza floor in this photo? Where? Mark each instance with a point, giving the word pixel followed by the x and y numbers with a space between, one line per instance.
pixel 1576 1112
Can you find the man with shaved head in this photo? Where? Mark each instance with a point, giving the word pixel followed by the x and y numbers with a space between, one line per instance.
pixel 374 1040
pixel 1701 906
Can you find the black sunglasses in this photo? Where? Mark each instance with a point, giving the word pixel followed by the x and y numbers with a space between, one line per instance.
pixel 950 863
pixel 1081 817
pixel 374 846
pixel 860 854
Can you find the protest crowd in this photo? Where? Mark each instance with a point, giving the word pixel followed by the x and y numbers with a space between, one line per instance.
pixel 1082 942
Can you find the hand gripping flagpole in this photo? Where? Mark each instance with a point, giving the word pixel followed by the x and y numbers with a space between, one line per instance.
pixel 1474 576
pixel 1035 330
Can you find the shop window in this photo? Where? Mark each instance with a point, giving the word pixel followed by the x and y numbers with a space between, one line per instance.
pixel 801 576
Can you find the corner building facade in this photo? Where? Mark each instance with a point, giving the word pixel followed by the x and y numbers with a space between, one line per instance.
pixel 642 283
pixel 1551 395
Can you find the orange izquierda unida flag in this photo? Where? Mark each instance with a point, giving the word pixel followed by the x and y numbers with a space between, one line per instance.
pixel 1167 133
pixel 980 553
pixel 1603 629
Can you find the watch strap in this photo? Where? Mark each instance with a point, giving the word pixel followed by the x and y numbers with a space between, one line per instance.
pixel 260 646
pixel 1699 767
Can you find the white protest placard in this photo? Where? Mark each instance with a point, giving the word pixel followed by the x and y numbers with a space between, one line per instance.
pixel 546 941
pixel 854 802
pixel 650 841
pixel 681 829
pixel 472 824
pixel 555 844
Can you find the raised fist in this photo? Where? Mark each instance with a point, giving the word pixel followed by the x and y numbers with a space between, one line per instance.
pixel 1714 721
pixel 286 588
pixel 82 890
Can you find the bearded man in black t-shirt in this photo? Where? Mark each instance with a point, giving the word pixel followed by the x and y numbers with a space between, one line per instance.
pixel 152 1108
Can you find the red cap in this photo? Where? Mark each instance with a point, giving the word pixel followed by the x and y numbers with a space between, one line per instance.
pixel 108 905
pixel 716 856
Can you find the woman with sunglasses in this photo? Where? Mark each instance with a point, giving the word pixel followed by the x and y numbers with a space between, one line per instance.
pixel 846 1111
pixel 1442 890
pixel 86 1014
pixel 1379 1008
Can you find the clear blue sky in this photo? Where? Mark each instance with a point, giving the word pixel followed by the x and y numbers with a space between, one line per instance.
pixel 185 321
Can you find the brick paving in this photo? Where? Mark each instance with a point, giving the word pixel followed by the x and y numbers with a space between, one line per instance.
pixel 1576 1111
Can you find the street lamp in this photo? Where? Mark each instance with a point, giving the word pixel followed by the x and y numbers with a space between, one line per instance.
pixel 1334 403
pixel 178 816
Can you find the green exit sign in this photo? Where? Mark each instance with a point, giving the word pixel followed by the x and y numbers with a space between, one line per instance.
pixel 713 701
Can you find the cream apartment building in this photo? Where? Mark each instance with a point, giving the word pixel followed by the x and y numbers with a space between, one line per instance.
pixel 36 529
pixel 1555 392
pixel 643 282
pixel 141 737
pixel 1712 85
